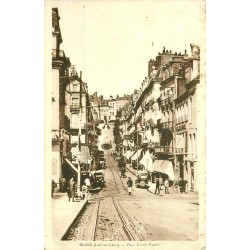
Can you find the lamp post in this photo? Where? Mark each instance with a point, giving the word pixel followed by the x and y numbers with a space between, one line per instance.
pixel 78 154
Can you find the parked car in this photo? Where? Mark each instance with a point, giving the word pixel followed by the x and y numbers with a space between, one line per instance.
pixel 98 180
pixel 142 180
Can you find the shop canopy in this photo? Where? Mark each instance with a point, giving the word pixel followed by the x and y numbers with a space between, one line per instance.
pixel 164 166
pixel 132 153
pixel 128 154
pixel 85 156
pixel 156 165
pixel 147 160
pixel 136 154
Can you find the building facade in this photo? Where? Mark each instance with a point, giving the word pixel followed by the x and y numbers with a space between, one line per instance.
pixel 60 73
pixel 73 119
pixel 163 116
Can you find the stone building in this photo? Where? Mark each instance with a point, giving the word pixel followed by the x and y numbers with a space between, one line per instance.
pixel 186 118
pixel 163 116
pixel 77 111
pixel 110 108
pixel 60 73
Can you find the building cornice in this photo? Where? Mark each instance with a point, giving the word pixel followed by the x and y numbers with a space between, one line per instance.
pixel 168 81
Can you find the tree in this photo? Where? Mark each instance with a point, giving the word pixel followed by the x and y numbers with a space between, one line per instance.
pixel 117 135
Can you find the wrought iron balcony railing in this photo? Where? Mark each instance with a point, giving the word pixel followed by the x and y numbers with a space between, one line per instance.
pixel 164 149
pixel 74 107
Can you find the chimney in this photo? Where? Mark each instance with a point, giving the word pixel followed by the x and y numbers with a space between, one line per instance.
pixel 81 75
pixel 195 50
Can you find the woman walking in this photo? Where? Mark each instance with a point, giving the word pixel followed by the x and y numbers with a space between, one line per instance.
pixel 130 184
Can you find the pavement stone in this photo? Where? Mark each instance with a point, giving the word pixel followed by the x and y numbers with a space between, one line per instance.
pixel 62 214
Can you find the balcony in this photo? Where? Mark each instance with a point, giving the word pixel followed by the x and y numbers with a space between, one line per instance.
pixel 164 149
pixel 181 125
pixel 167 125
pixel 181 150
pixel 83 125
pixel 75 108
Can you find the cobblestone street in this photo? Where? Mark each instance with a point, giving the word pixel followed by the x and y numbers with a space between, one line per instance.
pixel 143 216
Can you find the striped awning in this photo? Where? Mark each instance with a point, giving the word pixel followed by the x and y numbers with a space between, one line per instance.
pixel 147 161
pixel 164 166
pixel 136 154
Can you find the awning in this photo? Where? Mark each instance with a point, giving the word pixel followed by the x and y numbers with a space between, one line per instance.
pixel 72 166
pixel 136 154
pixel 156 165
pixel 165 167
pixel 85 156
pixel 128 154
pixel 132 153
pixel 147 160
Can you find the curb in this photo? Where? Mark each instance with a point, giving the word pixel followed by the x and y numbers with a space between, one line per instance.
pixel 74 220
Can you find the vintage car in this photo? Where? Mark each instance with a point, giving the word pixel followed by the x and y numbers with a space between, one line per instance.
pixel 98 179
pixel 142 179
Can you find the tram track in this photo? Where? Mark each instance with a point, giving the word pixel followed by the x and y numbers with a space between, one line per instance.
pixel 112 168
pixel 104 218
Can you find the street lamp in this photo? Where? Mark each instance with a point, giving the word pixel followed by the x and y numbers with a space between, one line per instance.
pixel 78 155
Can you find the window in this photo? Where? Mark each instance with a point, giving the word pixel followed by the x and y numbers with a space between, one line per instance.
pixel 75 88
pixel 182 113
pixel 190 110
pixel 194 146
pixel 74 121
pixel 190 145
pixel 185 111
pixel 75 101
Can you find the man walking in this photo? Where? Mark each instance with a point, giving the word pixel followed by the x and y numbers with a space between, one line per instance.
pixel 160 181
pixel 157 185
pixel 166 184
pixel 71 190
pixel 130 184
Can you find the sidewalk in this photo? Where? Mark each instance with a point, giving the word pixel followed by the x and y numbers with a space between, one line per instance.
pixel 61 215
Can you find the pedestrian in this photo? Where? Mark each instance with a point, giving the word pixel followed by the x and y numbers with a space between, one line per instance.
pixel 180 185
pixel 157 185
pixel 84 191
pixel 71 189
pixel 166 185
pixel 62 184
pixel 122 166
pixel 87 183
pixel 130 184
pixel 53 186
pixel 160 181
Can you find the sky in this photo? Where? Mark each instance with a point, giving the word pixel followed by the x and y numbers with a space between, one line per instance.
pixel 112 41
